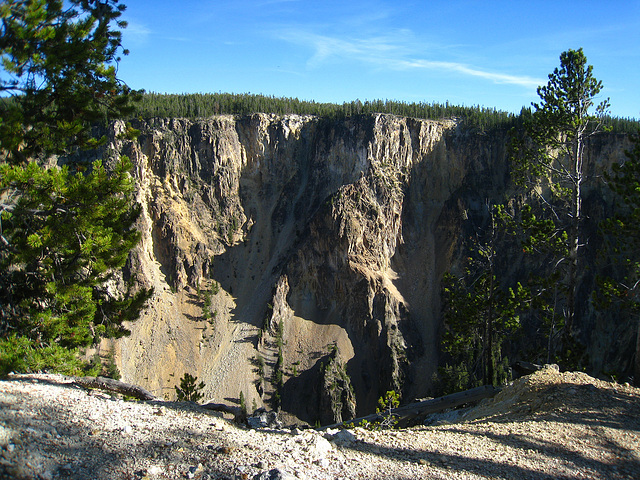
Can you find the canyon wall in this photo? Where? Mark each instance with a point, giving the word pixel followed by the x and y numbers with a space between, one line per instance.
pixel 303 245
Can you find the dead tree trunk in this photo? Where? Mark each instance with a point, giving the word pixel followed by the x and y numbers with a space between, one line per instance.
pixel 419 409
pixel 111 385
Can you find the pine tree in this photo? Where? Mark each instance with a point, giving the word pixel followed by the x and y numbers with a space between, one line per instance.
pixel 623 235
pixel 64 230
pixel 189 390
pixel 479 315
pixel 549 162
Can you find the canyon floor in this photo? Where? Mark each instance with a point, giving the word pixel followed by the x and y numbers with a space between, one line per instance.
pixel 546 425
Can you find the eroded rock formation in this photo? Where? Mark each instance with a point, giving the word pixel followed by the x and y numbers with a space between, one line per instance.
pixel 331 234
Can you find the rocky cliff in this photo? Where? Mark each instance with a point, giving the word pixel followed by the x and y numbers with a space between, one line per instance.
pixel 278 245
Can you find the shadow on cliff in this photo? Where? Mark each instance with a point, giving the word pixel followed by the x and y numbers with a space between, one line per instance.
pixel 289 203
pixel 281 197
pixel 301 395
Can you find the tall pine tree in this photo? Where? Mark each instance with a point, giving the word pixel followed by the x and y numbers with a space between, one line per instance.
pixel 64 230
pixel 549 162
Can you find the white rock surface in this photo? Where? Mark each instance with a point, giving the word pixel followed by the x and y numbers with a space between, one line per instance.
pixel 52 429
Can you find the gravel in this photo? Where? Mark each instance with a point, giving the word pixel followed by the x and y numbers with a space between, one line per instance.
pixel 547 425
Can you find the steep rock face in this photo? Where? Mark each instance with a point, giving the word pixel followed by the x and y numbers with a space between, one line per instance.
pixel 317 235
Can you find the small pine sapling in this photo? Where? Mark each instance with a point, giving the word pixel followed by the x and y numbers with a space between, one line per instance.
pixel 386 404
pixel 189 390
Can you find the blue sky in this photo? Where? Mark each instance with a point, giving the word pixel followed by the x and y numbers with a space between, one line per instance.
pixel 488 53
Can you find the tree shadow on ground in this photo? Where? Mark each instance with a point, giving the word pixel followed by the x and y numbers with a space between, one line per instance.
pixel 597 409
pixel 583 404
pixel 547 456
pixel 52 443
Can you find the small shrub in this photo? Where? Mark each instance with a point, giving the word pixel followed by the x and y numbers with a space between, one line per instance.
pixel 280 335
pixel 276 400
pixel 189 390
pixel 389 401
pixel 109 367
pixel 206 309
pixel 278 373
pixel 260 366
pixel 386 404
pixel 243 403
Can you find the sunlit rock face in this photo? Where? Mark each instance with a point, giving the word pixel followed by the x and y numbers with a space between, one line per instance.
pixel 278 243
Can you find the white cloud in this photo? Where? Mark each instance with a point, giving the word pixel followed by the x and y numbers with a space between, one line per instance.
pixel 496 77
pixel 392 53
pixel 368 50
pixel 136 32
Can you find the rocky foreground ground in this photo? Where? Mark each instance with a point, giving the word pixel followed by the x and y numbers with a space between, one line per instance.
pixel 548 425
